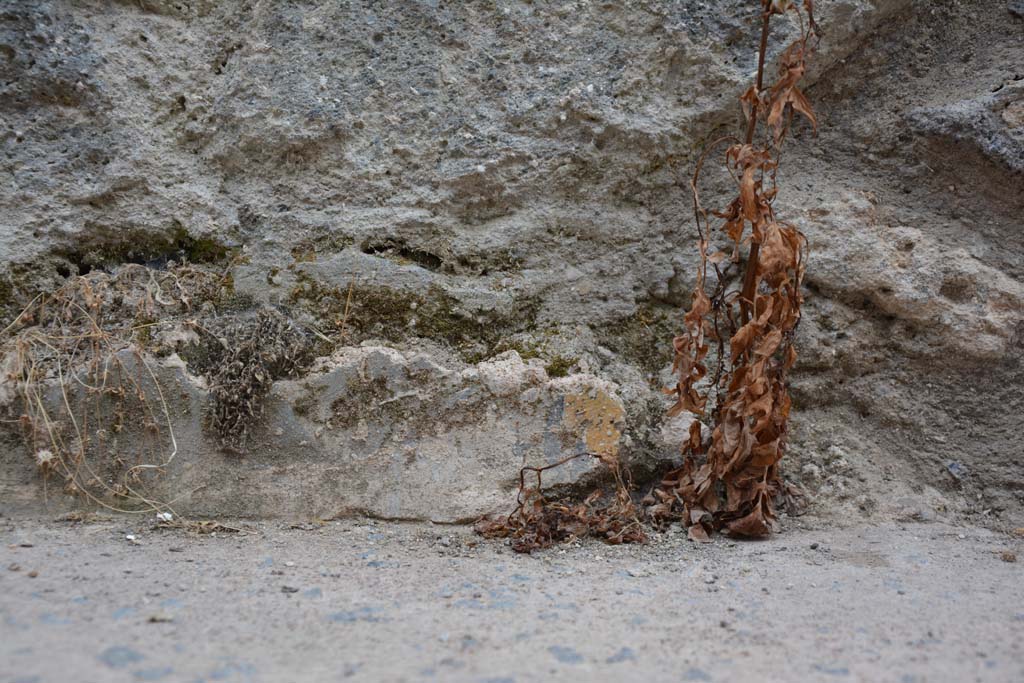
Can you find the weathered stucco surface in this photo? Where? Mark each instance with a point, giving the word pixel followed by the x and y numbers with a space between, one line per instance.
pixel 480 206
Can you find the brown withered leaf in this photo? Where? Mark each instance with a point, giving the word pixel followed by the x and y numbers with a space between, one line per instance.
pixel 739 453
pixel 794 98
pixel 785 93
pixel 734 223
pixel 760 406
pixel 698 533
pixel 689 400
pixel 695 443
pixel 752 525
pixel 744 337
pixel 779 253
pixel 767 344
pixel 718 257
pixel 765 455
pixel 700 306
pixel 748 194
pixel 748 101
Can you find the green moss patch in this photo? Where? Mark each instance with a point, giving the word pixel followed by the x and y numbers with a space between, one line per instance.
pixel 371 311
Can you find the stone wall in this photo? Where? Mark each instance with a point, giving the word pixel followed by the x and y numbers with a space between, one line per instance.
pixel 480 204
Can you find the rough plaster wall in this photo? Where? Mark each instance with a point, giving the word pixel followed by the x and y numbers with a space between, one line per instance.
pixel 519 163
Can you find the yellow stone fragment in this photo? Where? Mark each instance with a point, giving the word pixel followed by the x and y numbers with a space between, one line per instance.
pixel 599 417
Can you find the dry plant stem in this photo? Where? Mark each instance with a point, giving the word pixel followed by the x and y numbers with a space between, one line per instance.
pixel 539 471
pixel 750 276
pixel 766 17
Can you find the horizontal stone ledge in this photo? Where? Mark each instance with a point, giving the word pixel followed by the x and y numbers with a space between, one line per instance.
pixel 369 429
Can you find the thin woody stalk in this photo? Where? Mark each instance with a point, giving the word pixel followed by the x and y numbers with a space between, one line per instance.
pixel 750 276
pixel 752 122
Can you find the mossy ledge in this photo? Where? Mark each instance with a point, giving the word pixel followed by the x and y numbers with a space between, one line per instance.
pixel 359 312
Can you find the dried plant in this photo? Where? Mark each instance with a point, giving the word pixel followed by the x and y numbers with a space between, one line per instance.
pixel 537 522
pixel 732 483
pixel 259 352
pixel 92 411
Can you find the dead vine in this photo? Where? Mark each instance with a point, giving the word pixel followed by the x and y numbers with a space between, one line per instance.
pixel 733 483
pixel 537 522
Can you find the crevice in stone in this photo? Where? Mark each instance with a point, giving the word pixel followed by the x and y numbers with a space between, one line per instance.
pixel 399 250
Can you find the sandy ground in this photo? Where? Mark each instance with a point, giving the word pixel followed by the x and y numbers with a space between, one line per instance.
pixel 118 600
